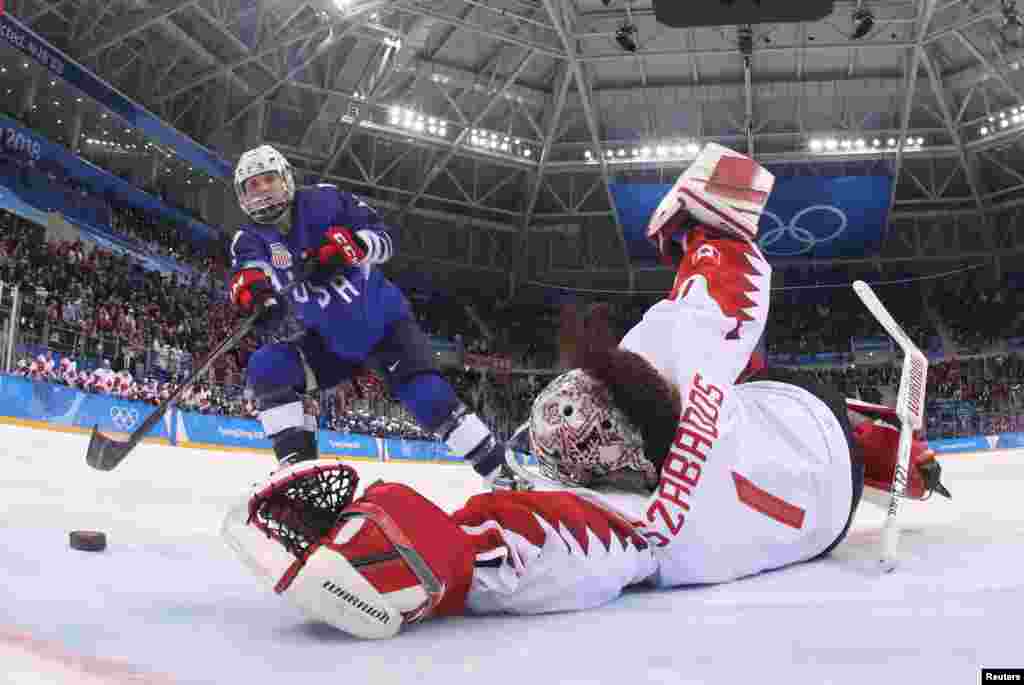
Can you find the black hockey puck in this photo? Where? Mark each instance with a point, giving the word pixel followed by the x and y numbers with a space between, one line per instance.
pixel 88 540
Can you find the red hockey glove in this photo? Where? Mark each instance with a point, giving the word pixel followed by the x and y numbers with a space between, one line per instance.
pixel 250 288
pixel 341 247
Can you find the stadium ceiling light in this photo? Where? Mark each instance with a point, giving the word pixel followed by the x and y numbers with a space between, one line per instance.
pixel 853 146
pixel 1012 116
pixel 1012 29
pixel 660 152
pixel 626 36
pixel 863 22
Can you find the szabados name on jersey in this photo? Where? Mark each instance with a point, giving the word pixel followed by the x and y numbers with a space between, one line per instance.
pixel 681 472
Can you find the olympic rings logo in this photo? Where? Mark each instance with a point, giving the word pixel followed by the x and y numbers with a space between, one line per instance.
pixel 799 240
pixel 124 417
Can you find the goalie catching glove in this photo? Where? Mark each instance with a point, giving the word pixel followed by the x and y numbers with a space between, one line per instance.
pixel 722 190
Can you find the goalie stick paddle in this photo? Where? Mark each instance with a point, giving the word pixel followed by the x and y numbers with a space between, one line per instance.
pixel 105 452
pixel 909 410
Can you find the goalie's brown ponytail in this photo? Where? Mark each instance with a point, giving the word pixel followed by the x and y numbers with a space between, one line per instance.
pixel 647 399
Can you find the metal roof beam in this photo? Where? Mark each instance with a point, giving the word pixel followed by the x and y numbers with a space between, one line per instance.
pixel 954 131
pixel 925 17
pixel 583 88
pixel 464 134
pixel 549 138
pixel 136 24
pixel 193 47
pixel 731 52
pixel 476 28
pixel 46 8
pixel 330 41
pixel 375 91
pixel 989 67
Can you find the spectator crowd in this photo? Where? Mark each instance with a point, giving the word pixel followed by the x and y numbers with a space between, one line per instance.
pixel 85 303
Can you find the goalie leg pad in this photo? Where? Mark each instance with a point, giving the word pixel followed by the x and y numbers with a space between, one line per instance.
pixel 394 558
pixel 540 552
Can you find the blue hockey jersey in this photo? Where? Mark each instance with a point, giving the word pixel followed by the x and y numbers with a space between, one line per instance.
pixel 352 309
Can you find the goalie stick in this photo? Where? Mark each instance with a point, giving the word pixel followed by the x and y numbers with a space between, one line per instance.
pixel 909 410
pixel 105 453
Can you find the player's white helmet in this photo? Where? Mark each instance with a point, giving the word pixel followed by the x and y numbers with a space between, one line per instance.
pixel 581 438
pixel 269 204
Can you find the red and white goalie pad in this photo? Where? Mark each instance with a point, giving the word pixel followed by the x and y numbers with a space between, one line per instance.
pixel 721 189
pixel 392 557
pixel 366 567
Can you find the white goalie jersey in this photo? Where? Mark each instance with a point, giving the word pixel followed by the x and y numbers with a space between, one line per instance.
pixel 758 476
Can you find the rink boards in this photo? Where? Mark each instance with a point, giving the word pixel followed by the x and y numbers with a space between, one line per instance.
pixel 58 407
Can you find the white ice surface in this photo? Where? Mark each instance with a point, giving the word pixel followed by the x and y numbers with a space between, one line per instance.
pixel 168 601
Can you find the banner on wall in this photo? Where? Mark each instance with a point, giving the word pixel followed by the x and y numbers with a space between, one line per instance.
pixel 353 445
pixel 20 143
pixel 21 398
pixel 39 49
pixel 64 406
pixel 10 202
pixel 806 216
pixel 418 450
pixel 877 344
pixel 207 429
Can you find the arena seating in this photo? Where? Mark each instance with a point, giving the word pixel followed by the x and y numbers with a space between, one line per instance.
pixel 101 309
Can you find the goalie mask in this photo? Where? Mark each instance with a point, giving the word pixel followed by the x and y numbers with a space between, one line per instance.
pixel 264 184
pixel 581 438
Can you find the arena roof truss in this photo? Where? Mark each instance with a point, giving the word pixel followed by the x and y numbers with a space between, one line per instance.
pixel 491 130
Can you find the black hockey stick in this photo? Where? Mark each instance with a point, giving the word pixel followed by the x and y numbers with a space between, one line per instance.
pixel 105 453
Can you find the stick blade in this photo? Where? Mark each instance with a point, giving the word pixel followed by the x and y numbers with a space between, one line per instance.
pixel 105 453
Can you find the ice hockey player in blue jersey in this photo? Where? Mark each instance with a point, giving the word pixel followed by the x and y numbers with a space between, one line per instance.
pixel 352 315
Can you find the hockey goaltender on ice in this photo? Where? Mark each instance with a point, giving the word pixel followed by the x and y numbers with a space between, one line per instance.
pixel 667 458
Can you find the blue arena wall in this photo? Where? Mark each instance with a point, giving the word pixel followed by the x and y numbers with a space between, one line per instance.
pixel 978 443
pixel 49 405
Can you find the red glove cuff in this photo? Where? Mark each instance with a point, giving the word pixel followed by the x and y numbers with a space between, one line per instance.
pixel 242 285
pixel 341 247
